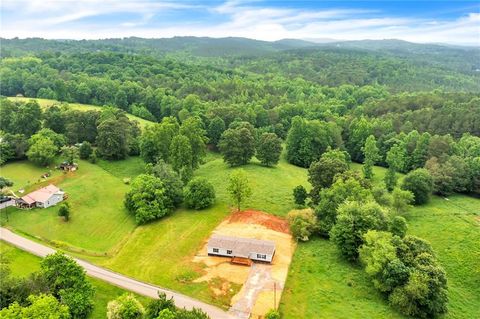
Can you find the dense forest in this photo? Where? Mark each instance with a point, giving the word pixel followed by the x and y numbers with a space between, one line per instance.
pixel 414 109
pixel 339 96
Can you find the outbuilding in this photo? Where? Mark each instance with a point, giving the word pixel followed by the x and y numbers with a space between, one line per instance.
pixel 236 247
pixel 43 197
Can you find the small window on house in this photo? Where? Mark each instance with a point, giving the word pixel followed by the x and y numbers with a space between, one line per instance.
pixel 215 250
pixel 229 252
pixel 260 256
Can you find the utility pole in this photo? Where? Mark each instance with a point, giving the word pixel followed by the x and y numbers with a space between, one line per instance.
pixel 274 295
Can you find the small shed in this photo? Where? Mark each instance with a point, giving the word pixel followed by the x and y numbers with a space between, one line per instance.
pixel 236 247
pixel 70 167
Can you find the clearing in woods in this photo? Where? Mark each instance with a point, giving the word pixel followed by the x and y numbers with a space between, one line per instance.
pixel 262 284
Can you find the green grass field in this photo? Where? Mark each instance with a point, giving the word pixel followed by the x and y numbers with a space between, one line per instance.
pixel 22 264
pixel 320 285
pixel 128 168
pixel 44 103
pixel 25 174
pixel 99 220
pixel 162 252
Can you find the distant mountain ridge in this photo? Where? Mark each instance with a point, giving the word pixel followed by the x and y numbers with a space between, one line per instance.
pixel 459 59
pixel 205 46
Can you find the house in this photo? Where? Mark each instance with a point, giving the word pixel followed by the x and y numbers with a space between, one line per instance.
pixel 241 248
pixel 43 197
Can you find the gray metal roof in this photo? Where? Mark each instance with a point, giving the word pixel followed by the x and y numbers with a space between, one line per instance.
pixel 242 247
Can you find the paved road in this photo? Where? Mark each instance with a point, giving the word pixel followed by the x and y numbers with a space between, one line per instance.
pixel 115 278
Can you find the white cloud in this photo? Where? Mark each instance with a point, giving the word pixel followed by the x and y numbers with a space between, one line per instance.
pixel 78 20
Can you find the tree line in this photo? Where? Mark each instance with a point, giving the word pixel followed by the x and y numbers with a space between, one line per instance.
pixel 367 225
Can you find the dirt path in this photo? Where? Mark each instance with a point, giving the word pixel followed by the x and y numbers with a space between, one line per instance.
pixel 260 279
pixel 114 278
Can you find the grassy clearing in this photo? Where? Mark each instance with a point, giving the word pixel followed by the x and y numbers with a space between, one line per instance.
pixel 22 264
pixel 128 168
pixel 453 229
pixel 25 174
pixel 321 284
pixel 44 103
pixel 162 252
pixel 319 281
pixel 98 218
pixel 271 186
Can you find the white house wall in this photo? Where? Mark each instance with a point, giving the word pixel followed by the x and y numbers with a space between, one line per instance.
pixel 53 200
pixel 253 256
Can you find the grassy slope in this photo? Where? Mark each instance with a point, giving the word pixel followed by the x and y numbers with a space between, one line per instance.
pixel 25 174
pixel 128 168
pixel 44 103
pixel 321 284
pixel 453 229
pixel 22 264
pixel 318 282
pixel 318 285
pixel 162 252
pixel 98 218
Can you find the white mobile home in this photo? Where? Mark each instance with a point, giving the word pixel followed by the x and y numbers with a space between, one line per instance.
pixel 254 249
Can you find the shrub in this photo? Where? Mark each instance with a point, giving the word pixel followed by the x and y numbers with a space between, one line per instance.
pixel 303 223
pixel 85 150
pixel 64 211
pixel 399 226
pixel 300 195
pixel 354 220
pixel 125 307
pixel 92 158
pixel 148 199
pixel 199 193
pixel 420 183
pixel 272 314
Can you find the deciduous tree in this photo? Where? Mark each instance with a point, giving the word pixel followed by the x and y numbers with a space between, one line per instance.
pixel 371 155
pixel 420 183
pixel 148 199
pixel 269 148
pixel 239 187
pixel 199 193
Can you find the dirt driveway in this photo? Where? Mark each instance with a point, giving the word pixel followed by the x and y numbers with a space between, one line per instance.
pixel 262 284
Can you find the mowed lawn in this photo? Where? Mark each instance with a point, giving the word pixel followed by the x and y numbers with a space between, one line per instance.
pixel 44 103
pixel 453 228
pixel 25 174
pixel 23 264
pixel 98 221
pixel 322 285
pixel 128 168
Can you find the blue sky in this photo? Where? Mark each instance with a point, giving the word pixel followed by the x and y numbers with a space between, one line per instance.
pixel 454 22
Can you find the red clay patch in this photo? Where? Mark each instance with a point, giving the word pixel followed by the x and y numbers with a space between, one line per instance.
pixel 261 218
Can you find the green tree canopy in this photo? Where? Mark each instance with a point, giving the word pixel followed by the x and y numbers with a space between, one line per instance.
pixel 42 152
pixel 354 220
pixel 237 146
pixel 148 199
pixel 239 187
pixel 199 193
pixel 420 183
pixel 269 148
pixel 371 155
